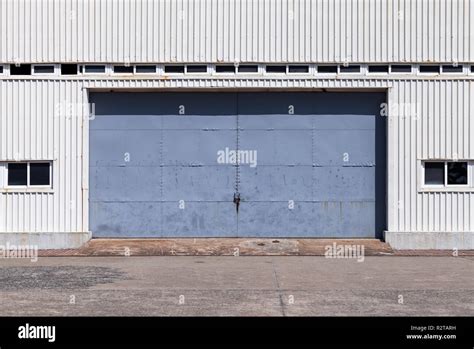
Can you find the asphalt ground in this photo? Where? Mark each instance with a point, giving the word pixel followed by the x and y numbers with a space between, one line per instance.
pixel 238 286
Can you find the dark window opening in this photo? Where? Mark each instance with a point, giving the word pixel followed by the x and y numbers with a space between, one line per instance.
pixel 176 69
pixel 196 68
pixel 349 69
pixel 378 68
pixel 17 174
pixel 94 68
pixel 401 68
pixel 298 69
pixel 279 69
pixel 145 69
pixel 452 69
pixel 429 68
pixel 43 69
pixel 327 69
pixel 123 69
pixel 1 69
pixel 457 173
pixel 22 69
pixel 248 68
pixel 39 173
pixel 434 173
pixel 225 68
pixel 68 69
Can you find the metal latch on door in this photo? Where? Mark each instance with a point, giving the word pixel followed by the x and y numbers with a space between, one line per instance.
pixel 237 201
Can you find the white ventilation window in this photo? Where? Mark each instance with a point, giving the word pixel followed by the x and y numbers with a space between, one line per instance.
pixel 378 69
pixel 453 69
pixel 196 69
pixel 20 69
pixel 276 69
pixel 298 69
pixel 401 69
pixel 225 69
pixel 69 69
pixel 457 173
pixel 28 174
pixel 94 69
pixel 434 173
pixel 327 69
pixel 174 69
pixel 429 69
pixel 123 69
pixel 145 69
pixel 247 68
pixel 43 69
pixel 446 173
pixel 351 68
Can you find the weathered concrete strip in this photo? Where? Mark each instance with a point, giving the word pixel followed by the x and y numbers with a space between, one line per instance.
pixel 219 247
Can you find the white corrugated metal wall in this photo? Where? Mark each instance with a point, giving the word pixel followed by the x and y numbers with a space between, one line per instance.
pixel 32 129
pixel 442 129
pixel 252 30
pixel 236 30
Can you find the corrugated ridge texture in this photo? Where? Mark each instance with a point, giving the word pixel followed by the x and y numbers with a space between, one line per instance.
pixel 236 31
pixel 32 127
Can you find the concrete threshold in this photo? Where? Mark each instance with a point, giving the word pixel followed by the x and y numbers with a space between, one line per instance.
pixel 221 247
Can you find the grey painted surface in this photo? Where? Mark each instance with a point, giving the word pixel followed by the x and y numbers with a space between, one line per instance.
pixel 436 240
pixel 230 286
pixel 45 240
pixel 300 157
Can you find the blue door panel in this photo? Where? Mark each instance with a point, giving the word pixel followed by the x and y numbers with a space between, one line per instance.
pixel 163 103
pixel 108 148
pixel 126 148
pixel 327 217
pixel 199 219
pixel 279 147
pixel 275 219
pixel 152 152
pixel 321 155
pixel 203 183
pixel 344 148
pixel 126 122
pixel 348 103
pixel 344 183
pixel 282 183
pixel 357 219
pixel 291 104
pixel 154 168
pixel 270 122
pixel 195 147
pixel 344 122
pixel 199 122
pixel 125 218
pixel 125 184
pixel 340 219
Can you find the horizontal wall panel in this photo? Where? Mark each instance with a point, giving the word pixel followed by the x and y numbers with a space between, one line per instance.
pixel 236 31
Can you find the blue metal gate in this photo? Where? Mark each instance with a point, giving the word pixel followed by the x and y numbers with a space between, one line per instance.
pixel 189 164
